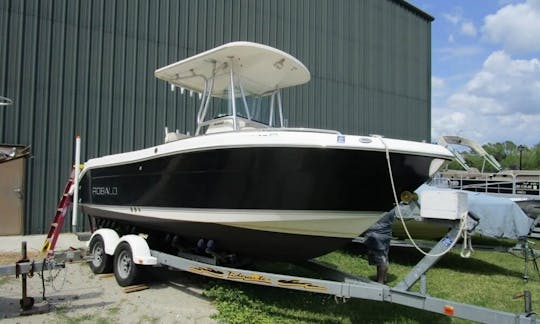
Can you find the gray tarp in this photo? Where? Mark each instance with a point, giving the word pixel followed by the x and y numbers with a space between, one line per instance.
pixel 500 217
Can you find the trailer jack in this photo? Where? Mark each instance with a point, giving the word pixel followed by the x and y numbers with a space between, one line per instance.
pixel 25 268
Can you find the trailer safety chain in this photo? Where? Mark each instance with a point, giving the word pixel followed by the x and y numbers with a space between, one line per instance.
pixel 52 278
pixel 54 273
pixel 462 227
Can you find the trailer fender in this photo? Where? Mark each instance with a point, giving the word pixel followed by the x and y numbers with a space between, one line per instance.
pixel 110 239
pixel 139 249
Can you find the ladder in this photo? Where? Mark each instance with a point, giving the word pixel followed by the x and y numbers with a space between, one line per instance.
pixel 58 221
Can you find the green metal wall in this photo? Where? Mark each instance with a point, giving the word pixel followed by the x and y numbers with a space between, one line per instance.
pixel 86 67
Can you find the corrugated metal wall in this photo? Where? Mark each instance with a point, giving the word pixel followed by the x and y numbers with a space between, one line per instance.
pixel 86 67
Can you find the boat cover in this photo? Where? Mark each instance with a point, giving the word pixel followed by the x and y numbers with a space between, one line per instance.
pixel 500 217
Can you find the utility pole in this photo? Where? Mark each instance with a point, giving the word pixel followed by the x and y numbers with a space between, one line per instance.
pixel 520 148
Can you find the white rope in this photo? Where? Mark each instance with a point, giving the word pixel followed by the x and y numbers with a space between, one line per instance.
pixel 467 248
pixel 463 220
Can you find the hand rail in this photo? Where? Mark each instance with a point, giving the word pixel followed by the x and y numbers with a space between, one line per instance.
pixel 529 187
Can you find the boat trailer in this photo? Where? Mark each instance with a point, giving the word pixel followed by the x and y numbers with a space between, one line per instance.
pixel 340 284
pixel 343 285
pixel 131 252
pixel 26 268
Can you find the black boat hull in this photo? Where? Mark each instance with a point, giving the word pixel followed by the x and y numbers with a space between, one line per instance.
pixel 258 178
pixel 253 178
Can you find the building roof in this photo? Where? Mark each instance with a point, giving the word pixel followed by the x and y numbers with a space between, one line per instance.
pixel 407 5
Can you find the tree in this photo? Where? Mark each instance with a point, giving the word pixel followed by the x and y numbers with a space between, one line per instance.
pixel 507 154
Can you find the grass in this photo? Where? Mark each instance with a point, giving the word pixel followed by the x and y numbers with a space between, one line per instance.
pixel 488 279
pixel 4 280
pixel 64 317
pixel 149 319
pixel 113 310
pixel 84 318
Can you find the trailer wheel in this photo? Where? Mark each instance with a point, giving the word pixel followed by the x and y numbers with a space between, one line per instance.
pixel 101 261
pixel 126 271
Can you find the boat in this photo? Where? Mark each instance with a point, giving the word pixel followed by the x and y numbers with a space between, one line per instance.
pixel 521 186
pixel 244 183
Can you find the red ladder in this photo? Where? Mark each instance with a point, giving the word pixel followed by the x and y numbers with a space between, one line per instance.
pixel 58 221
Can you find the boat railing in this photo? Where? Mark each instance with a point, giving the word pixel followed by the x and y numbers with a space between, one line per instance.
pixel 301 129
pixel 529 186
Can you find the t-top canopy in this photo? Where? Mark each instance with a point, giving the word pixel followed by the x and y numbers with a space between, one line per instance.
pixel 261 69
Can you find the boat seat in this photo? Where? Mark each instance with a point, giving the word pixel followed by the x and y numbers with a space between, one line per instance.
pixel 174 136
pixel 225 124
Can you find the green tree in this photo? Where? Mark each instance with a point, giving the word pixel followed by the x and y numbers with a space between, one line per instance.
pixel 533 158
pixel 507 154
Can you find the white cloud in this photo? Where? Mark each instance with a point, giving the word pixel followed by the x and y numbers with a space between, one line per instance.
pixel 454 18
pixel 468 28
pixel 500 102
pixel 437 83
pixel 515 26
pixel 483 105
pixel 505 2
pixel 452 52
pixel 451 39
pixel 513 83
pixel 439 88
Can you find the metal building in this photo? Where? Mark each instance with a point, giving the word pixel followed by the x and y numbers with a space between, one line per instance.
pixel 86 67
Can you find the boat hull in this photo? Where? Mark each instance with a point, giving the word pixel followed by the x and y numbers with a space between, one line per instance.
pixel 263 189
pixel 276 235
pixel 258 178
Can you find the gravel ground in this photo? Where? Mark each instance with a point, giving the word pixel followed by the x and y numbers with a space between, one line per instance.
pixel 172 297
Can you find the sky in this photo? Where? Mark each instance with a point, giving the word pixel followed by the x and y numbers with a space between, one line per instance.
pixel 485 73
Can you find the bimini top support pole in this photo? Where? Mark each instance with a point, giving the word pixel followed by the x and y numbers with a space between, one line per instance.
pixel 232 96
pixel 271 117
pixel 246 107
pixel 280 108
pixel 205 100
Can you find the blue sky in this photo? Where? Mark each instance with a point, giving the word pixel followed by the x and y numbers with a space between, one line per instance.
pixel 485 69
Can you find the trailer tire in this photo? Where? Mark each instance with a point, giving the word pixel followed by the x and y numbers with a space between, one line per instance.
pixel 126 271
pixel 101 262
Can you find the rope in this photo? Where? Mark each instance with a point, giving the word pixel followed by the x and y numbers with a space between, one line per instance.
pixel 466 249
pixel 463 220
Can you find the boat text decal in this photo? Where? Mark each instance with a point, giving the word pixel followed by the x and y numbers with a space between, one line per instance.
pixel 104 191
pixel 301 284
pixel 207 271
pixel 251 277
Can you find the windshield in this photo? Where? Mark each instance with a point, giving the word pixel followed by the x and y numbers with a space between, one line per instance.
pixel 258 109
pixel 265 109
